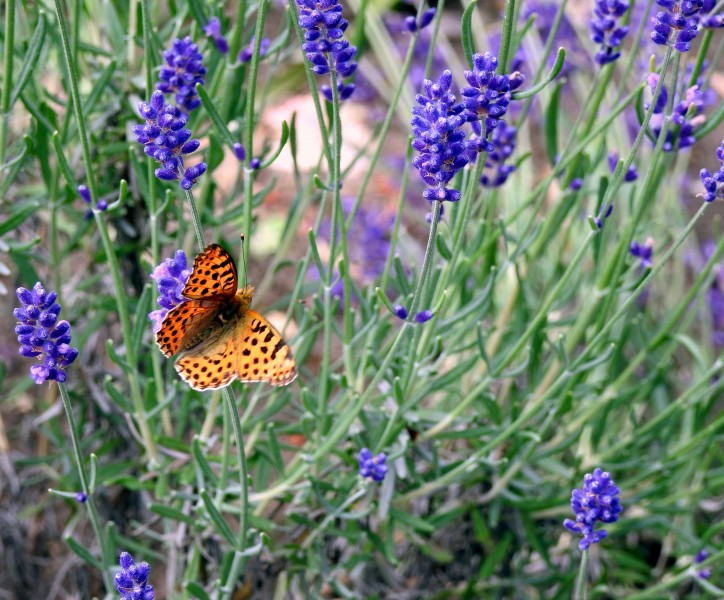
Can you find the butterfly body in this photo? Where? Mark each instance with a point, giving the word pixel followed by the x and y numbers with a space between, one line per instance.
pixel 217 337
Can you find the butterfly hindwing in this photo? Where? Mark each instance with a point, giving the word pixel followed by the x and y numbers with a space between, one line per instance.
pixel 263 354
pixel 213 276
pixel 211 364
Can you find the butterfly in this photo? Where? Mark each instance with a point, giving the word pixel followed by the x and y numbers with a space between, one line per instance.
pixel 217 337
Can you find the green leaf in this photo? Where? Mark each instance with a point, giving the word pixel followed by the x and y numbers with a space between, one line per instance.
pixel 467 33
pixel 31 58
pixel 275 452
pixel 280 147
pixel 19 213
pixel 141 322
pixel 221 525
pixel 83 553
pixel 171 513
pixel 214 115
pixel 63 163
pixel 196 590
pixel 551 123
pixel 202 463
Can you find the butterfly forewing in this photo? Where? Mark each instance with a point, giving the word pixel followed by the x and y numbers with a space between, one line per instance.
pixel 183 325
pixel 213 277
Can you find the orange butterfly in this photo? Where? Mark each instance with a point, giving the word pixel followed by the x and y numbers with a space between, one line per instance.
pixel 218 337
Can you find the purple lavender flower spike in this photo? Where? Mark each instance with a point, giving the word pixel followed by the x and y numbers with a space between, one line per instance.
pixel 439 138
pixel 370 467
pixel 42 336
pixel 239 152
pixel 602 216
pixel 183 70
pixel 597 501
pixel 81 497
pixel 413 25
pixel 324 45
pixel 576 184
pixel 255 163
pixel 84 193
pixel 686 116
pixel 246 53
pixel 486 98
pixel 631 174
pixel 644 252
pixel 424 315
pixel 213 30
pixel 344 89
pixel 701 556
pixel 132 580
pixel 165 140
pixel 400 311
pixel 503 141
pixel 170 277
pixel 605 29
pixel 708 20
pixel 714 183
pixel 677 27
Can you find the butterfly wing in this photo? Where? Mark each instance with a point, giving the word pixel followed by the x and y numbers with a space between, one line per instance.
pixel 248 348
pixel 185 325
pixel 213 276
pixel 263 355
pixel 211 364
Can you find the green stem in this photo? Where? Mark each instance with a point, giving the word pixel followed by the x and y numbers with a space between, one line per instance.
pixel 239 561
pixel 90 501
pixel 77 104
pixel 249 122
pixel 8 76
pixel 402 82
pixel 581 589
pixel 126 332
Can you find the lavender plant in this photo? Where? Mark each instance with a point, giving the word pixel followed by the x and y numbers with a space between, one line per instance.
pixel 457 369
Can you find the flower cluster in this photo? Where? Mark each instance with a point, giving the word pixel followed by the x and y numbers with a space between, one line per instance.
pixel 605 29
pixel 324 47
pixel 414 25
pixel 487 96
pixel 686 116
pixel 170 277
pixel 701 556
pixel 644 252
pixel 503 143
pixel 85 195
pixel 42 336
pixel 372 467
pixel 213 30
pixel 439 138
pixel 420 317
pixel 166 141
pixel 714 184
pixel 677 27
pixel 246 53
pixel 709 20
pixel 132 580
pixel 597 501
pixel 631 174
pixel 437 126
pixel 183 70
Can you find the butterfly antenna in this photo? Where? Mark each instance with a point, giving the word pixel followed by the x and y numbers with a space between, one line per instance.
pixel 243 259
